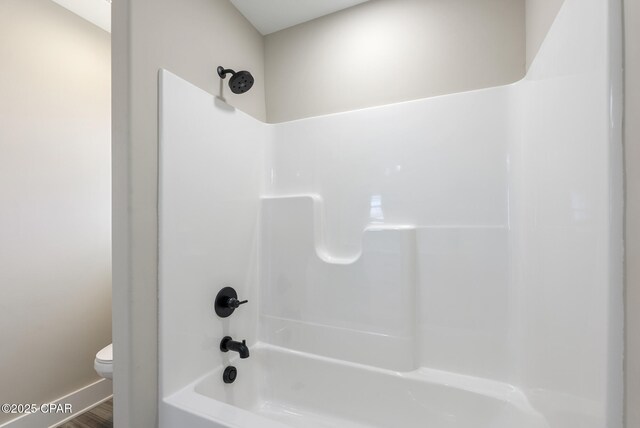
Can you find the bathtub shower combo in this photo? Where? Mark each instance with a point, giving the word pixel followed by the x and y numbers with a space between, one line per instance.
pixel 451 262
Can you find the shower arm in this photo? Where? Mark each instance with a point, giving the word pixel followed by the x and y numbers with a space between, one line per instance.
pixel 222 72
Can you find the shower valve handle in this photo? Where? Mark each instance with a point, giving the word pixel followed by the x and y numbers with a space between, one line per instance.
pixel 226 302
pixel 232 302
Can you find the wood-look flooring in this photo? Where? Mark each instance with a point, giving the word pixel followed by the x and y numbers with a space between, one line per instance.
pixel 99 417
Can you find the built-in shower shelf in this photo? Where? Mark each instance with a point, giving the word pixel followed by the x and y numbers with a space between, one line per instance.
pixel 317 227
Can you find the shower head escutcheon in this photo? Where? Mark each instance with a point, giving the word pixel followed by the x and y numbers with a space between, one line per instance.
pixel 240 82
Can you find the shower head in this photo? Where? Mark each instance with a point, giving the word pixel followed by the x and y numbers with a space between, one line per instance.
pixel 240 81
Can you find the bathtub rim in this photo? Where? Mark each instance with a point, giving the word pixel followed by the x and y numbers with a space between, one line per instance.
pixel 226 415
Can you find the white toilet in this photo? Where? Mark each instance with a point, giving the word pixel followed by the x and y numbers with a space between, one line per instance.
pixel 104 362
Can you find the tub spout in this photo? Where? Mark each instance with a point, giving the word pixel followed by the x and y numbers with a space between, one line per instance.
pixel 228 344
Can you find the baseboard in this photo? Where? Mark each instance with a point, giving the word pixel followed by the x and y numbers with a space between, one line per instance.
pixel 80 401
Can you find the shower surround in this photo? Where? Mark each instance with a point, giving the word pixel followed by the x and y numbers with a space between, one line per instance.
pixel 445 262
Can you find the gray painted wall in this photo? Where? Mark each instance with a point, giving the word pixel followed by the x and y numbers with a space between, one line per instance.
pixel 389 51
pixel 540 14
pixel 55 187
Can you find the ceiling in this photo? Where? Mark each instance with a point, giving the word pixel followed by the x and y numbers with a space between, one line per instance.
pixel 269 16
pixel 95 11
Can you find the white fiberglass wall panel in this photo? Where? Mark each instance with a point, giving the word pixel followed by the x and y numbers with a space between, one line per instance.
pixel 439 161
pixel 566 217
pixel 211 163
pixel 341 308
pixel 437 165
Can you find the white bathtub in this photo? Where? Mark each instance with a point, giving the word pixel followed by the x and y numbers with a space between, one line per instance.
pixel 278 388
